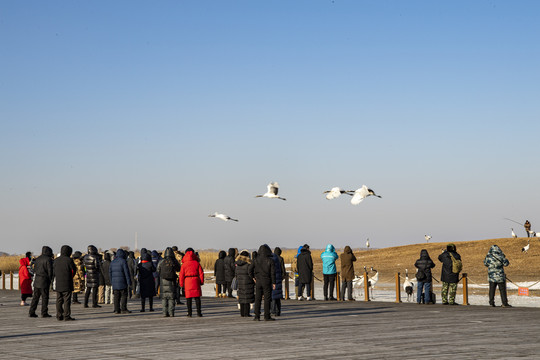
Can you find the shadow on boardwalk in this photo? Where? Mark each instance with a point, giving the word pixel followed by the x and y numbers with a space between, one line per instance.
pixel 306 330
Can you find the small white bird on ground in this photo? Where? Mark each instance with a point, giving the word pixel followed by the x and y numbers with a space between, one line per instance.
pixel 272 191
pixel 513 233
pixel 408 286
pixel 526 248
pixel 427 237
pixel 373 280
pixel 361 194
pixel 367 243
pixel 222 217
pixel 336 192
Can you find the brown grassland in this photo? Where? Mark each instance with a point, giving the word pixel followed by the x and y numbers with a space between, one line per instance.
pixel 388 261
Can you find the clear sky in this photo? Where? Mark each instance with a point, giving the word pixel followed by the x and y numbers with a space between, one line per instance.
pixel 119 117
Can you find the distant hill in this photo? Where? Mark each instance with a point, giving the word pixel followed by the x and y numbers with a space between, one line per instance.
pixel 388 261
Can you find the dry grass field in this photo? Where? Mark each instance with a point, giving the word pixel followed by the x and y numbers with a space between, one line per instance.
pixel 388 261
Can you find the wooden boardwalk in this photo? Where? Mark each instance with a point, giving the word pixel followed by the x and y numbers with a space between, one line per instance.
pixel 306 330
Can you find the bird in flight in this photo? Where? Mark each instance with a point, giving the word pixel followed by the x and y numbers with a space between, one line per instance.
pixel 427 237
pixel 361 194
pixel 222 217
pixel 272 191
pixel 336 192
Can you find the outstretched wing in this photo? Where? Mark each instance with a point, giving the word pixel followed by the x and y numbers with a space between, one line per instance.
pixel 273 188
pixel 333 193
pixel 360 195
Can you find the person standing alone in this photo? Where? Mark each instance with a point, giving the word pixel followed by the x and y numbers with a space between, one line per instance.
pixel 495 261
pixel 305 271
pixel 64 270
pixel 449 278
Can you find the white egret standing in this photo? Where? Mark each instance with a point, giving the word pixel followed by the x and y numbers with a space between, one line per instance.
pixel 361 194
pixel 513 233
pixel 222 217
pixel 335 192
pixel 367 243
pixel 272 191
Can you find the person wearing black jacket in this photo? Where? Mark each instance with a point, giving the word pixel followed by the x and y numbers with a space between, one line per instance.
pixel 424 277
pixel 92 265
pixel 449 279
pixel 105 265
pixel 219 273
pixel 305 271
pixel 265 281
pixel 64 270
pixel 228 264
pixel 246 285
pixel 132 266
pixel 44 275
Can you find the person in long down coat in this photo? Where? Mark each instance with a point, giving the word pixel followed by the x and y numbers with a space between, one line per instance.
pixel 120 281
pixel 246 285
pixel 43 270
pixel 64 270
pixel 305 271
pixel 229 270
pixel 424 277
pixel 277 291
pixel 145 277
pixel 25 278
pixel 79 278
pixel 191 279
pixel 219 273
pixel 265 281
pixel 495 261
pixel 347 272
pixel 92 265
pixel 168 267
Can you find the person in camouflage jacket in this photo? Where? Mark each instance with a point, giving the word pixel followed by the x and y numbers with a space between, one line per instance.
pixel 78 279
pixel 496 261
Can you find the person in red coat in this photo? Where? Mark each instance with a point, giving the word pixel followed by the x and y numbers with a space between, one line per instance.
pixel 191 279
pixel 25 278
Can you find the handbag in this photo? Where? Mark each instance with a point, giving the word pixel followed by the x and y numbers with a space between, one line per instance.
pixel 234 284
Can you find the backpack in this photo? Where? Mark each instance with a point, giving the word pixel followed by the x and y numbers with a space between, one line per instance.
pixel 167 269
pixel 421 275
pixel 457 265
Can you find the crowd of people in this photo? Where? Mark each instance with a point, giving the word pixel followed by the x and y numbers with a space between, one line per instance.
pixel 114 276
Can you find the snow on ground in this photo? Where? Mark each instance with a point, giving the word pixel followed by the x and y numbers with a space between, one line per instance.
pixel 386 292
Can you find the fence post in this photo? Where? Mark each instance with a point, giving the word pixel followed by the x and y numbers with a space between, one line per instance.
pixel 3 280
pixel 366 286
pixel 465 290
pixel 312 295
pixel 338 293
pixel 287 286
pixel 398 288
pixel 11 280
pixel 217 291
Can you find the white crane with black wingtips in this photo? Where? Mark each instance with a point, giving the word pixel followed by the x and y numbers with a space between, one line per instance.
pixel 272 191
pixel 361 194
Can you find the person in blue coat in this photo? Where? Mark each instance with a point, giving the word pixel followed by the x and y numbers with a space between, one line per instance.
pixel 120 280
pixel 329 258
pixel 277 291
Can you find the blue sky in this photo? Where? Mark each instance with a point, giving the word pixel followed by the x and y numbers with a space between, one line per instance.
pixel 130 116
